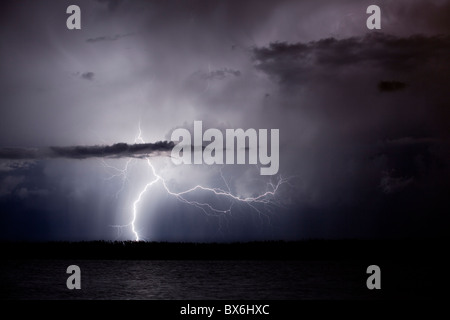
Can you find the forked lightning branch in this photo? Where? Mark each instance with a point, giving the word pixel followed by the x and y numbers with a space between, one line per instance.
pixel 213 154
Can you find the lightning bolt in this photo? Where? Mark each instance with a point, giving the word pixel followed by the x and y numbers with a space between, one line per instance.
pixel 266 199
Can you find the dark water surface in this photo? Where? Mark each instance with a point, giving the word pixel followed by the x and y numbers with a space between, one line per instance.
pixel 175 279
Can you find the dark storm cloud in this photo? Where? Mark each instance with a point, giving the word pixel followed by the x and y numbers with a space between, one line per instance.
pixel 9 184
pixel 88 76
pixel 369 161
pixel 296 62
pixel 390 184
pixel 14 165
pixel 368 158
pixel 409 141
pixel 220 74
pixel 390 86
pixel 418 16
pixel 414 157
pixel 118 150
pixel 200 80
pixel 19 153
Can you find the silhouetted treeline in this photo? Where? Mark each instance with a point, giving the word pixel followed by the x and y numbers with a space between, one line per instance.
pixel 268 250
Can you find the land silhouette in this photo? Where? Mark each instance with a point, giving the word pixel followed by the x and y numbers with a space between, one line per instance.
pixel 314 249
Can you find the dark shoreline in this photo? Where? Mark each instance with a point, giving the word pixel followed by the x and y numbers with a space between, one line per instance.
pixel 400 249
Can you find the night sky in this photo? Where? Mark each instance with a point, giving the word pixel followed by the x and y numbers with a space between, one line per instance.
pixel 363 116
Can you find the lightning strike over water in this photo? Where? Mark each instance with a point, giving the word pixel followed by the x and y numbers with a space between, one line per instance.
pixel 265 199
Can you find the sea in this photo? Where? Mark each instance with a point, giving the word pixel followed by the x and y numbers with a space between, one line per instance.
pixel 212 280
